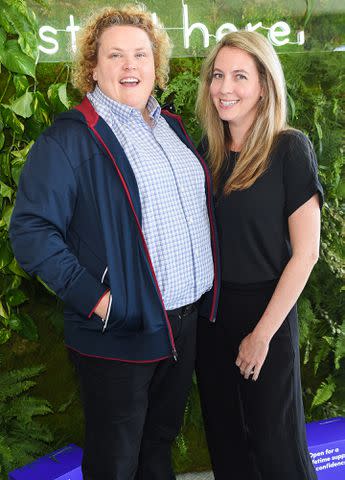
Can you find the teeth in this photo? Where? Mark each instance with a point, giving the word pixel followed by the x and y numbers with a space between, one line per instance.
pixel 228 103
pixel 129 80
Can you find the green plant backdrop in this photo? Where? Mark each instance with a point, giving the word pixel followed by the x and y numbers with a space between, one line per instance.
pixel 39 407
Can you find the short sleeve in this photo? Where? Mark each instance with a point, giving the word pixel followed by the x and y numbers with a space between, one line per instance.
pixel 301 179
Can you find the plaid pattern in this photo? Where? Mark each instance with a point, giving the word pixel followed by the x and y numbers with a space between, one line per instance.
pixel 171 185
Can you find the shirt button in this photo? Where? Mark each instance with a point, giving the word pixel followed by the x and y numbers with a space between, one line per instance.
pixel 190 221
pixel 196 251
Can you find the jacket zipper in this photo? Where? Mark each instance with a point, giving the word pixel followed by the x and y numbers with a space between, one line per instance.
pixel 105 321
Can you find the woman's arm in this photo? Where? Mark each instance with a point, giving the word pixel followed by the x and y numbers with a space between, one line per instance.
pixel 304 230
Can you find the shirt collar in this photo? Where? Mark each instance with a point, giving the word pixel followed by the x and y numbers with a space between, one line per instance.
pixel 124 112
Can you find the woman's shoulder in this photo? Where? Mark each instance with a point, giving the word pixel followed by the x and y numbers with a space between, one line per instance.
pixel 292 138
pixel 292 145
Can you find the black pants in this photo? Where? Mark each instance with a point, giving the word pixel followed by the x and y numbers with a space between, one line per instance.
pixel 133 412
pixel 254 430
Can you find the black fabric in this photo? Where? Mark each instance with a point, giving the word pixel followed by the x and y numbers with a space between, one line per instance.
pixel 255 430
pixel 253 223
pixel 133 411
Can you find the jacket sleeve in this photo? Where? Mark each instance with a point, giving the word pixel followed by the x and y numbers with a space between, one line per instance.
pixel 46 197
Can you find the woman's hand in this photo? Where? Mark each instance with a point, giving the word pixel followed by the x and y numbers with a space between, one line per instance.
pixel 251 356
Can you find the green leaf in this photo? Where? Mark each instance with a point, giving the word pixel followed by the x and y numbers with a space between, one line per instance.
pixel 3 312
pixel 46 286
pixel 57 94
pixel 11 121
pixel 17 269
pixel 6 24
pixel 29 329
pixel 19 161
pixel 21 84
pixel 324 392
pixel 5 165
pixel 3 37
pixel 15 60
pixel 5 253
pixel 2 139
pixel 16 169
pixel 63 95
pixel 292 107
pixel 323 351
pixel 16 17
pixel 339 354
pixel 9 282
pixel 16 297
pixel 41 109
pixel 319 129
pixel 29 44
pixel 5 191
pixel 34 127
pixel 15 323
pixel 6 216
pixel 5 335
pixel 22 105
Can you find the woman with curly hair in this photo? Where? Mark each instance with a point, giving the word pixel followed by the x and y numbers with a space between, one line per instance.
pixel 114 213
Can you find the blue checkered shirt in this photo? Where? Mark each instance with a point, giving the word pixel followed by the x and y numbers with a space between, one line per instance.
pixel 171 186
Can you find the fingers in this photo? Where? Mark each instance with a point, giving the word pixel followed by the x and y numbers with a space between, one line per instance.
pixel 257 371
pixel 251 357
pixel 250 370
pixel 246 369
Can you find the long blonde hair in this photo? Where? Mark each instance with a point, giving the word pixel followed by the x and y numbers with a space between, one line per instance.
pixel 270 118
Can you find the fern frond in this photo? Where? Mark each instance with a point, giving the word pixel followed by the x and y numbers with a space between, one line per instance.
pixel 16 382
pixel 324 392
pixel 339 353
pixel 24 408
pixel 323 350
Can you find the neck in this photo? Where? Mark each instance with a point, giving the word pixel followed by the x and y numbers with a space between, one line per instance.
pixel 237 138
pixel 239 132
pixel 146 117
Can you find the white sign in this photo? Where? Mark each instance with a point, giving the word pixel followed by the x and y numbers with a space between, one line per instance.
pixel 279 33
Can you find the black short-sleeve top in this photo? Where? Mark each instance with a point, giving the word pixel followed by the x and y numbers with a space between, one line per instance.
pixel 253 223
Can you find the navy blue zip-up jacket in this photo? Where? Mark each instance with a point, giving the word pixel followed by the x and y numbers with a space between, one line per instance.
pixel 77 225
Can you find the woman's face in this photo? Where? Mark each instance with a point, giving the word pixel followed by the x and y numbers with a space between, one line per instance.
pixel 235 88
pixel 125 69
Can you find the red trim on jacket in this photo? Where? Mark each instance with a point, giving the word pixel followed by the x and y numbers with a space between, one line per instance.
pixel 91 117
pixel 116 359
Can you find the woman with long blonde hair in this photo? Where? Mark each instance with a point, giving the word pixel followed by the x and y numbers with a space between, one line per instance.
pixel 268 200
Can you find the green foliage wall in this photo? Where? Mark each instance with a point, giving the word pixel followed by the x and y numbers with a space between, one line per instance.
pixel 31 317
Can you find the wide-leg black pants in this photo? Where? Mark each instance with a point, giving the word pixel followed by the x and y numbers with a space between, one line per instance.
pixel 133 412
pixel 254 430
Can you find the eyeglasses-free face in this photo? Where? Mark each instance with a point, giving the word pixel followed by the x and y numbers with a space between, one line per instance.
pixel 235 88
pixel 125 69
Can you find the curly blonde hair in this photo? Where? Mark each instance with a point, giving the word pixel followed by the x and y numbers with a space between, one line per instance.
pixel 88 43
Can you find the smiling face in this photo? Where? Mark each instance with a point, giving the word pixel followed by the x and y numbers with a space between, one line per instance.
pixel 125 69
pixel 235 88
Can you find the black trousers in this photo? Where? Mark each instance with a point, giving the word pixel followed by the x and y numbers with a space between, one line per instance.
pixel 254 430
pixel 133 412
